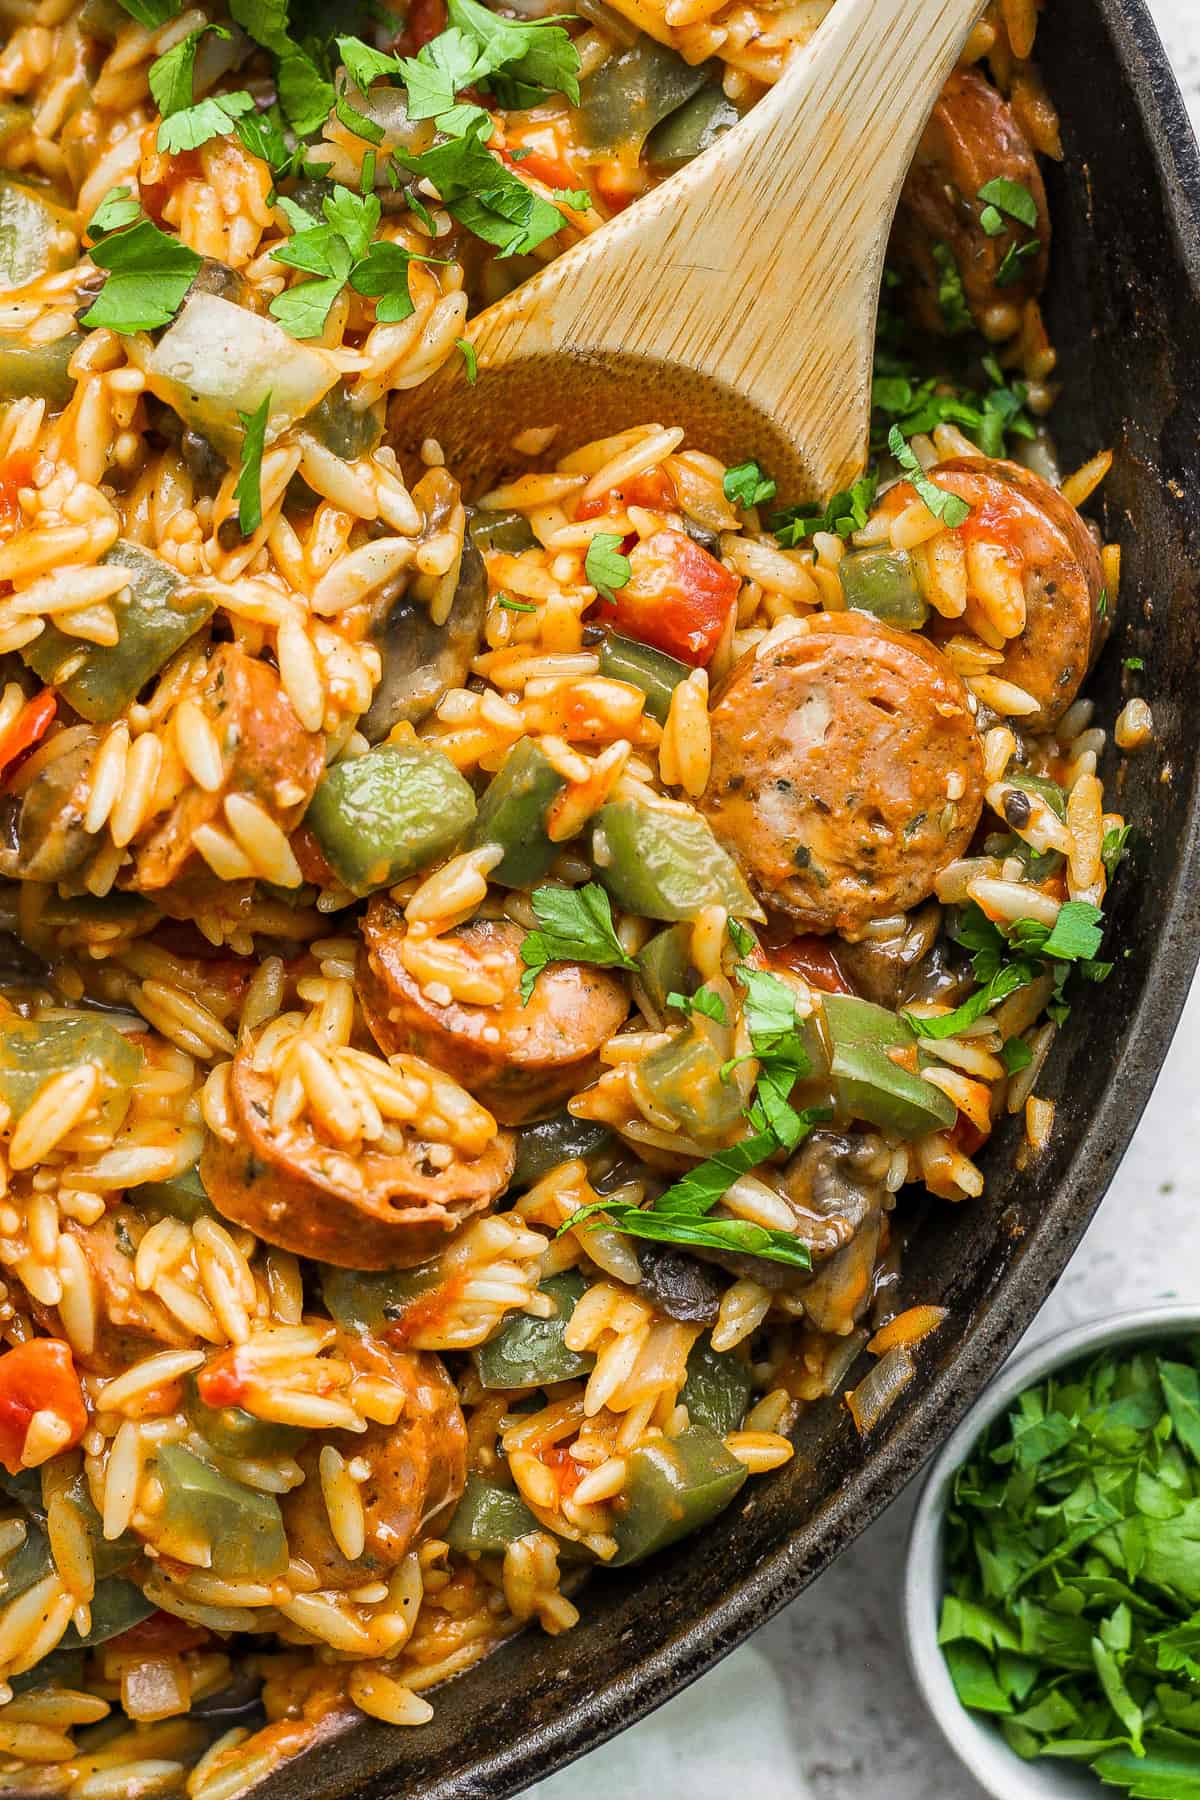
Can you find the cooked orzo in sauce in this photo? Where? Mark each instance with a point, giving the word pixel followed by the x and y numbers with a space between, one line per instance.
pixel 481 970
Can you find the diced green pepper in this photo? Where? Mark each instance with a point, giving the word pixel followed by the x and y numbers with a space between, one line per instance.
pixel 674 1486
pixel 512 813
pixel 380 817
pixel 32 1051
pixel 869 1085
pixel 155 614
pixel 693 127
pixel 529 1352
pixel 665 864
pixel 60 922
pixel 117 1606
pixel 507 531
pixel 346 430
pixel 883 582
pixel 717 1390
pixel 37 370
pixel 219 360
pixel 488 1519
pixel 241 1527
pixel 656 673
pixel 665 966
pixel 372 1300
pixel 103 19
pixel 179 1197
pixel 420 660
pixel 683 1078
pixel 32 1560
pixel 622 101
pixel 36 236
pixel 549 1142
pixel 61 1669
pixel 236 1433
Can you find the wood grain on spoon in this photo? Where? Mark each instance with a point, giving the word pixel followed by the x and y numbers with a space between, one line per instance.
pixel 737 299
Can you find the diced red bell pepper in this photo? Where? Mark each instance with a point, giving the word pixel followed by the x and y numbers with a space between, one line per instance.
pixel 31 723
pixel 812 958
pixel 426 20
pixel 15 473
pixel 678 598
pixel 162 1634
pixel 652 489
pixel 221 1382
pixel 37 1377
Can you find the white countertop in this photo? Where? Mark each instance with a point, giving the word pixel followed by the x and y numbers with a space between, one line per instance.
pixel 819 1704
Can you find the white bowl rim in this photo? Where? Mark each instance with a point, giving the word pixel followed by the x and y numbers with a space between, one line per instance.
pixel 981 1749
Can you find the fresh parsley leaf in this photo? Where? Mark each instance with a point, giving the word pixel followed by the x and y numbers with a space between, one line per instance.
pixel 1114 848
pixel 170 75
pixel 1077 932
pixel 702 1001
pixel 439 72
pixel 605 566
pixel 1013 198
pixel 305 96
pixel 470 360
pixel 195 125
pixel 741 937
pixel 302 310
pixel 148 275
pixel 579 200
pixel 536 55
pixel 943 505
pixel 117 209
pixel 999 986
pixel 576 926
pixel 700 1232
pixel 478 191
pixel 1015 1054
pixel 1102 604
pixel 951 297
pixel 382 275
pixel 845 514
pixel 266 21
pixel 248 492
pixel 510 605
pixel 992 222
pixel 1011 268
pixel 747 485
pixel 357 122
pixel 365 64
pixel 1135 662
pixel 355 218
pixel 150 14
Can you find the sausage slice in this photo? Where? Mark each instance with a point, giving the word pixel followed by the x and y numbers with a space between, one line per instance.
pixel 519 1060
pixel 846 771
pixel 972 138
pixel 370 1209
pixel 417 1469
pixel 1060 565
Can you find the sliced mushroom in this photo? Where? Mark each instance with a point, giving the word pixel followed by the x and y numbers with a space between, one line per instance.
pixel 423 661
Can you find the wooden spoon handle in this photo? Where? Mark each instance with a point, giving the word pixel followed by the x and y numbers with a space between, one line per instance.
pixel 726 269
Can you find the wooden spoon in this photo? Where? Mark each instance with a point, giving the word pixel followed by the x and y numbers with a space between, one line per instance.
pixel 738 299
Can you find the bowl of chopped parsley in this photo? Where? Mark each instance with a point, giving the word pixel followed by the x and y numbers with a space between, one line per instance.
pixel 1052 1595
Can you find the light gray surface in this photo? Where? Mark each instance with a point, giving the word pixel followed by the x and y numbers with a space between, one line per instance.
pixel 819 1704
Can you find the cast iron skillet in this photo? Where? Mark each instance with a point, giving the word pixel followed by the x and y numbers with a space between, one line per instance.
pixel 1125 313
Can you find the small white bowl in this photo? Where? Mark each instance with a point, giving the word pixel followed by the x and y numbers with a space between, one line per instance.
pixel 974 1740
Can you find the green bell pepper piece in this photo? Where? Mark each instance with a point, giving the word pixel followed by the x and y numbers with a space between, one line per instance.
pixel 32 1560
pixel 155 614
pixel 869 1085
pixel 550 1142
pixel 665 966
pixel 372 1300
pixel 507 531
pixel 116 1606
pixel 342 428
pixel 488 1519
pixel 512 813
pixel 61 1669
pixel 235 1433
pixel 622 101
pixel 242 1528
pixel 883 582
pixel 656 673
pixel 717 1390
pixel 674 1486
pixel 526 1352
pixel 36 235
pixel 179 1197
pixel 665 865
pixel 103 19
pixel 31 1052
pixel 380 817
pixel 693 127
pixel 684 1078
pixel 39 370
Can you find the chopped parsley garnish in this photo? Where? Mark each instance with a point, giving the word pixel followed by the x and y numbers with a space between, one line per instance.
pixel 1004 961
pixel 522 61
pixel 1015 1054
pixel 702 1001
pixel 248 492
pixel 149 272
pixel 899 398
pixel 1072 1571
pixel 747 485
pixel 1113 849
pixel 476 189
pixel 1102 604
pixel 845 514
pixel 305 95
pixel 470 359
pixel 1010 197
pixel 951 298
pixel 576 926
pixel 1135 662
pixel 118 208
pixel 943 505
pixel 579 200
pixel 605 566
pixel 992 221
pixel 511 605
pixel 1011 268
pixel 187 125
pixel 338 248
pixel 383 275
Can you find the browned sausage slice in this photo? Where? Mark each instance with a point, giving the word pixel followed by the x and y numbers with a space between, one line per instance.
pixel 1060 566
pixel 267 754
pixel 846 771
pixel 520 1061
pixel 417 1469
pixel 367 1209
pixel 129 1323
pixel 972 138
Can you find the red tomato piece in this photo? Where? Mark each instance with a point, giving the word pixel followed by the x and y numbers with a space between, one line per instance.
pixel 652 489
pixel 31 723
pixel 678 598
pixel 812 958
pixel 221 1382
pixel 162 1634
pixel 426 20
pixel 15 473
pixel 37 1377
